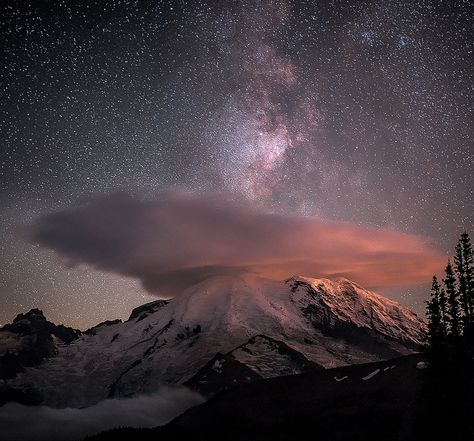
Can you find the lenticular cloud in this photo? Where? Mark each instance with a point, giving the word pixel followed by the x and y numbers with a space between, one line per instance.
pixel 174 240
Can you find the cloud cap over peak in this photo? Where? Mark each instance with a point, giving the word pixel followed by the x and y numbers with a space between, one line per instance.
pixel 175 240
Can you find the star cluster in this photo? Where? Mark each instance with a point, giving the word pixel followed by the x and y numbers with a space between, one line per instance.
pixel 355 111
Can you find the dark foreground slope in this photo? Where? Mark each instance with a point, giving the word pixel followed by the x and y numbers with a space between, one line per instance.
pixel 375 401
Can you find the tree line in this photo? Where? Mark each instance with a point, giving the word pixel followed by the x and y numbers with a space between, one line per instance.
pixel 446 399
pixel 450 309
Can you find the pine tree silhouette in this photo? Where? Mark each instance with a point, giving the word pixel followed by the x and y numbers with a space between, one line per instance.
pixel 436 336
pixel 443 308
pixel 459 265
pixel 466 291
pixel 453 303
pixel 468 267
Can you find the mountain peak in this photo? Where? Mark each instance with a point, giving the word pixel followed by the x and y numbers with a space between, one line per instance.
pixel 258 326
pixel 32 314
pixel 348 302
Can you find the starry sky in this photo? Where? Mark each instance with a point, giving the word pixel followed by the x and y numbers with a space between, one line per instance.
pixel 355 112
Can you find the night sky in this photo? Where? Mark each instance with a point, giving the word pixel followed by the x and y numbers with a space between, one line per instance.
pixel 334 111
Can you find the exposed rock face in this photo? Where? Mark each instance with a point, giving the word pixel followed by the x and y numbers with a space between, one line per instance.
pixel 29 340
pixel 93 330
pixel 260 357
pixel 143 311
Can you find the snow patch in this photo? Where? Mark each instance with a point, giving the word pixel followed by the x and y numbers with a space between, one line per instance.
pixel 217 366
pixel 341 379
pixel 371 375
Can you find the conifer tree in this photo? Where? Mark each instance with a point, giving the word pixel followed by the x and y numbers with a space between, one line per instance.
pixel 468 273
pixel 453 303
pixel 466 289
pixel 443 308
pixel 459 265
pixel 436 332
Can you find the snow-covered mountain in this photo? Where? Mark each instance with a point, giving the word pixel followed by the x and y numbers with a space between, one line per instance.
pixel 224 330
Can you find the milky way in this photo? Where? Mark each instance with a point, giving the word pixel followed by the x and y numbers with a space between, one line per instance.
pixel 350 111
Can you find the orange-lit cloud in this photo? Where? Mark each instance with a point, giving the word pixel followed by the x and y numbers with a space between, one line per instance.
pixel 175 240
